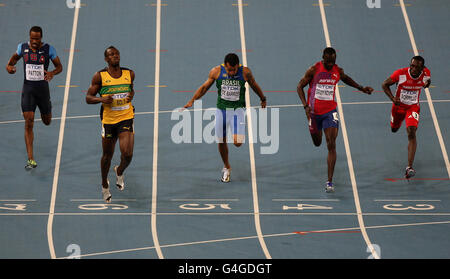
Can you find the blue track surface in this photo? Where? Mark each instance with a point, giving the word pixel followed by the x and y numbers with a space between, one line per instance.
pixel 197 216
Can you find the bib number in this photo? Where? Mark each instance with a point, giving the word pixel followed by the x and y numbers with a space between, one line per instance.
pixel 324 92
pixel 230 92
pixel 120 102
pixel 34 72
pixel 409 97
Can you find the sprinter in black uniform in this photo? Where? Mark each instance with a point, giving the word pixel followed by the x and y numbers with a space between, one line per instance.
pixel 36 59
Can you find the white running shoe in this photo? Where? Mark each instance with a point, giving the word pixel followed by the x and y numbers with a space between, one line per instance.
pixel 106 194
pixel 119 182
pixel 226 175
pixel 329 187
pixel 410 172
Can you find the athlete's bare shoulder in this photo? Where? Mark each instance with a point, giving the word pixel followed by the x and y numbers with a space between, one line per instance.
pixel 214 72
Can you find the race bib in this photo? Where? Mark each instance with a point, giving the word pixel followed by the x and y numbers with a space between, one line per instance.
pixel 324 92
pixel 120 102
pixel 34 72
pixel 409 97
pixel 230 92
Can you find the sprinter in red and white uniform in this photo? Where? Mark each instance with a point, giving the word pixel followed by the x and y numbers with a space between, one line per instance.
pixel 320 107
pixel 410 81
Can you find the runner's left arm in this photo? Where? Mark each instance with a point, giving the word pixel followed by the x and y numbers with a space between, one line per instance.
pixel 349 81
pixel 131 94
pixel 255 86
pixel 58 69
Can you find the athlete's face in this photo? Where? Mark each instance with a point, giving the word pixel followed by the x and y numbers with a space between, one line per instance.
pixel 35 40
pixel 329 61
pixel 415 68
pixel 231 70
pixel 112 57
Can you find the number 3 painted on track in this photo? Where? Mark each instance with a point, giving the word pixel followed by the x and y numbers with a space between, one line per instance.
pixel 397 206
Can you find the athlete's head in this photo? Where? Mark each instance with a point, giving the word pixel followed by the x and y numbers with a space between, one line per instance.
pixel 416 66
pixel 231 63
pixel 112 56
pixel 35 37
pixel 329 57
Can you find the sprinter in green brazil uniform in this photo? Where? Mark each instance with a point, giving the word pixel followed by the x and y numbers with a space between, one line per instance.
pixel 230 78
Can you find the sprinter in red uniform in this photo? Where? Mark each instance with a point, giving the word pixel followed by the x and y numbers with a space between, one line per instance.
pixel 410 81
pixel 320 107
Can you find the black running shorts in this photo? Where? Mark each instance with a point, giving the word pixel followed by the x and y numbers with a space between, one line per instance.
pixel 110 131
pixel 36 95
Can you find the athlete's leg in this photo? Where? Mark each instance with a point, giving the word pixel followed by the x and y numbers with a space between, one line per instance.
pixel 126 143
pixel 223 150
pixel 412 144
pixel 29 135
pixel 44 104
pixel 238 122
pixel 46 118
pixel 315 129
pixel 397 117
pixel 330 136
pixel 108 145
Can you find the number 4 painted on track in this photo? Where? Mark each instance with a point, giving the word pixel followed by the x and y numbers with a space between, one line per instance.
pixel 302 206
pixel 15 206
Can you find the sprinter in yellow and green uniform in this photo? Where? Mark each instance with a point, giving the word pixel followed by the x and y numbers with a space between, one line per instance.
pixel 230 78
pixel 114 84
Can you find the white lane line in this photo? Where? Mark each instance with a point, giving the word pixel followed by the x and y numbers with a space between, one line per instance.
pixel 427 92
pixel 99 200
pixel 204 199
pixel 250 136
pixel 347 146
pixel 205 109
pixel 224 214
pixel 409 200
pixel 155 132
pixel 253 237
pixel 61 135
pixel 281 200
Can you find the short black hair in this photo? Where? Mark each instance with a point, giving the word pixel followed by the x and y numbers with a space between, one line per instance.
pixel 36 29
pixel 232 59
pixel 110 47
pixel 329 51
pixel 419 59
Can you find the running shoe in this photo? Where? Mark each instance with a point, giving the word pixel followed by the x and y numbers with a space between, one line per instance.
pixel 410 172
pixel 226 175
pixel 119 182
pixel 329 187
pixel 31 164
pixel 106 194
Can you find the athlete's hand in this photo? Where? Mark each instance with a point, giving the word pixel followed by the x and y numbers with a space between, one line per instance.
pixel 128 98
pixel 396 101
pixel 427 84
pixel 11 69
pixel 108 99
pixel 367 90
pixel 263 104
pixel 308 112
pixel 48 76
pixel 189 104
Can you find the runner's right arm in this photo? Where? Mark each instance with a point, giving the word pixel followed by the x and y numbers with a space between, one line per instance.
pixel 10 67
pixel 387 90
pixel 213 75
pixel 307 78
pixel 91 95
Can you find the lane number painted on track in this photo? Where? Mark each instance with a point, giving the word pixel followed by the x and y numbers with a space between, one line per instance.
pixel 399 206
pixel 206 206
pixel 102 206
pixel 303 206
pixel 14 206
